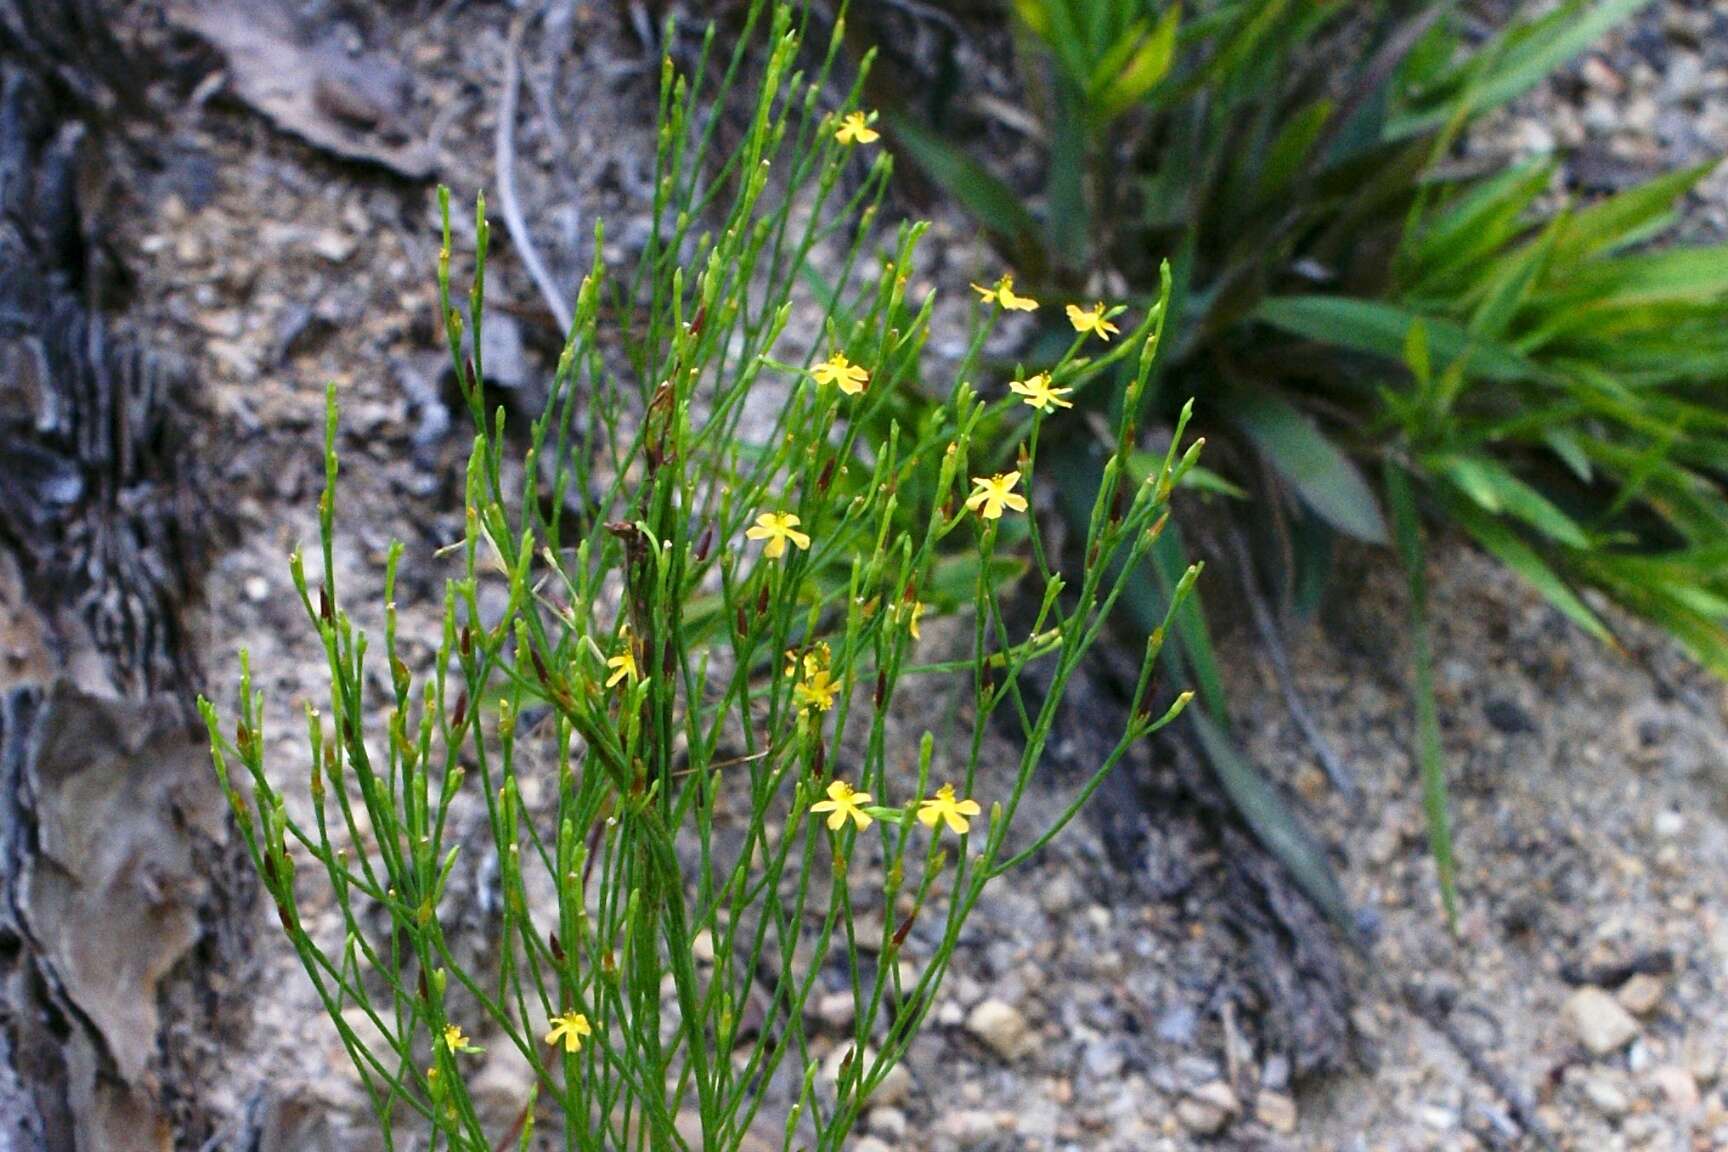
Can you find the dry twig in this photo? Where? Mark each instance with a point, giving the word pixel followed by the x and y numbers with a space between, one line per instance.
pixel 504 161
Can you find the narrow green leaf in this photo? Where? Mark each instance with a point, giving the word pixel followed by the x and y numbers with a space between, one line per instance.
pixel 1378 328
pixel 1169 562
pixel 1571 453
pixel 1479 221
pixel 992 202
pixel 1272 820
pixel 1508 285
pixel 1517 555
pixel 1615 221
pixel 1146 69
pixel 1402 501
pixel 1493 486
pixel 1529 54
pixel 1676 275
pixel 1325 479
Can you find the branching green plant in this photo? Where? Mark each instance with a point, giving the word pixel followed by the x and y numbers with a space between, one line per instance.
pixel 1352 302
pixel 675 733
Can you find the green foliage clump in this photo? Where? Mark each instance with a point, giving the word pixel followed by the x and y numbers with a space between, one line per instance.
pixel 677 728
pixel 1371 328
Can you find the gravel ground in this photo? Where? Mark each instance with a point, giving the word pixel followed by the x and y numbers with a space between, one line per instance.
pixel 1588 974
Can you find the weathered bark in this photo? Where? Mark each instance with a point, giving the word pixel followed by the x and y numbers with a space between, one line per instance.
pixel 114 865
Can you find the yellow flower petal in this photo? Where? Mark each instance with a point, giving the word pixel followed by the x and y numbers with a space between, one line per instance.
pixel 569 1028
pixel 844 804
pixel 855 129
pixel 1036 392
pixel 943 808
pixel 990 495
pixel 1002 294
pixel 1091 320
pixel 777 528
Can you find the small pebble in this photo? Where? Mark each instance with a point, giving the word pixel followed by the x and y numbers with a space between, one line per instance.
pixel 1201 1118
pixel 836 1010
pixel 1606 1097
pixel 1677 1087
pixel 1000 1026
pixel 1641 994
pixel 1277 1111
pixel 888 1123
pixel 1598 1021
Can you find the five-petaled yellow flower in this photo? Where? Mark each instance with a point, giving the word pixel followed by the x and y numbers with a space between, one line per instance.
pixel 816 690
pixel 623 665
pixel 455 1041
pixel 1037 393
pixel 777 528
pixel 943 808
pixel 570 1028
pixel 839 370
pixel 844 804
pixel 992 494
pixel 1003 293
pixel 855 129
pixel 1091 320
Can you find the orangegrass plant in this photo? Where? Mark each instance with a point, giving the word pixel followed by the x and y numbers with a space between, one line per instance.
pixel 705 630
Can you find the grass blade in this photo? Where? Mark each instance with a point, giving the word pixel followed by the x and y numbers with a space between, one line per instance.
pixel 1327 481
pixel 1402 501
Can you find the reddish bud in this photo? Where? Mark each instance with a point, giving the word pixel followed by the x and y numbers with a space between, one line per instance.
pixel 905 928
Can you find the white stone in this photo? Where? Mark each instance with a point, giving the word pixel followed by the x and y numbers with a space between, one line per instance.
pixel 1678 1087
pixel 895 1087
pixel 836 1010
pixel 1277 1111
pixel 1598 1021
pixel 1001 1027
pixel 888 1123
pixel 1641 994
pixel 1606 1097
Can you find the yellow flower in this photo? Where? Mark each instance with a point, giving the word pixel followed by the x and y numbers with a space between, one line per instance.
pixel 991 495
pixel 942 807
pixel 816 657
pixel 844 804
pixel 1038 393
pixel 855 129
pixel 455 1041
pixel 839 370
pixel 917 610
pixel 777 528
pixel 1003 293
pixel 816 690
pixel 623 665
pixel 571 1027
pixel 1091 320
